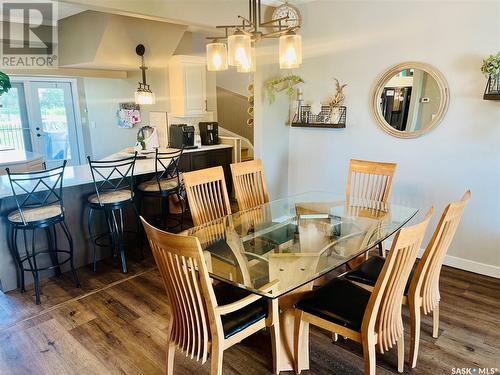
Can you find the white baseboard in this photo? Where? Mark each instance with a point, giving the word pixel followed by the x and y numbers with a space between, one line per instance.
pixel 469 265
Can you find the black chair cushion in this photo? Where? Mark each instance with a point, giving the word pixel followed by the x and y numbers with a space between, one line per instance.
pixel 239 320
pixel 338 301
pixel 367 272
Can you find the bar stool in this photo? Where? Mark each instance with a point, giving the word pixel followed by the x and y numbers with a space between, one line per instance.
pixel 39 201
pixel 166 182
pixel 113 182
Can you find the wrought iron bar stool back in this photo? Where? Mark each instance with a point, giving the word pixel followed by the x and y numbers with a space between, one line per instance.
pixel 166 182
pixel 114 191
pixel 39 200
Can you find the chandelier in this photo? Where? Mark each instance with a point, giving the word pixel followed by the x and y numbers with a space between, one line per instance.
pixel 143 94
pixel 237 47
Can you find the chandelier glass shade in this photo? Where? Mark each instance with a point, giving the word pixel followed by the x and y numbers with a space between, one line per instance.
pixel 239 45
pixel 249 65
pixel 216 57
pixel 290 50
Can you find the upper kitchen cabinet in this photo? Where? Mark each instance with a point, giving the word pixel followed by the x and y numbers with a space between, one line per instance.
pixel 188 85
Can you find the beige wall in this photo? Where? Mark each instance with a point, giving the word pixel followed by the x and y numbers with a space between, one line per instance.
pixel 232 113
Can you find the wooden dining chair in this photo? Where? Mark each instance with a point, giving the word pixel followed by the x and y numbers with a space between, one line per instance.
pixel 422 291
pixel 249 184
pixel 369 183
pixel 206 318
pixel 207 194
pixel 372 319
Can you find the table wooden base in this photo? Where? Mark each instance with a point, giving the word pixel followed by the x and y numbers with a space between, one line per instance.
pixel 287 320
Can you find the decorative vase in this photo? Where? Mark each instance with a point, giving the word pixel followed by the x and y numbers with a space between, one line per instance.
pixel 335 116
pixel 493 86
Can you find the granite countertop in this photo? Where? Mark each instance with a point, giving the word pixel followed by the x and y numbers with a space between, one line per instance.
pixel 80 174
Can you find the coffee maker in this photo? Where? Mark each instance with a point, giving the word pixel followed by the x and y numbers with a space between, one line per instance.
pixel 209 133
pixel 181 136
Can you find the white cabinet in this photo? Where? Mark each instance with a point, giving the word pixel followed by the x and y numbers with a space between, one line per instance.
pixel 188 85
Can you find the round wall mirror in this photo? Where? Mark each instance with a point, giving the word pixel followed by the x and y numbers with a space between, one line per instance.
pixel 410 99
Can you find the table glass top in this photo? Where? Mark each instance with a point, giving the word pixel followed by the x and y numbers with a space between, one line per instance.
pixel 293 241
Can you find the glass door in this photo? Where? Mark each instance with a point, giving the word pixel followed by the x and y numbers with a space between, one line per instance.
pixel 14 127
pixel 52 120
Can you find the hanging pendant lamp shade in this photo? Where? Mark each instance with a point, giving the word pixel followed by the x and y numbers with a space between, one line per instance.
pixel 249 65
pixel 290 50
pixel 239 48
pixel 216 57
pixel 143 94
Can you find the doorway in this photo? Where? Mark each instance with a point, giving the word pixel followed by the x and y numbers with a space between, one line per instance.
pixel 40 116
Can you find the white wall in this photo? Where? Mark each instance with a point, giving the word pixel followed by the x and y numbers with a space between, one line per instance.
pixel 103 96
pixel 355 41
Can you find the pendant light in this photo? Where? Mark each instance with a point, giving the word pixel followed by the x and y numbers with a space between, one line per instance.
pixel 143 95
pixel 249 65
pixel 216 57
pixel 239 48
pixel 290 50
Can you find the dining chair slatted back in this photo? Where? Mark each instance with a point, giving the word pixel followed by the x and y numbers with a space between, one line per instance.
pixel 188 286
pixel 167 166
pixel 249 184
pixel 207 194
pixel 369 181
pixel 37 188
pixel 425 282
pixel 113 175
pixel 383 314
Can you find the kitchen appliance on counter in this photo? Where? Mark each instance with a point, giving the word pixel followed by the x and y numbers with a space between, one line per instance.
pixel 209 132
pixel 182 136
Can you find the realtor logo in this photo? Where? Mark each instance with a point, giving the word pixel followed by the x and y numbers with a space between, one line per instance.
pixel 29 34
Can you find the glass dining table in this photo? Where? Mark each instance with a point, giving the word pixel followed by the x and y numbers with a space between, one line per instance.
pixel 293 242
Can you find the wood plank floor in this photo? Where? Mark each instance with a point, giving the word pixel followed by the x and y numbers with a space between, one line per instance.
pixel 116 324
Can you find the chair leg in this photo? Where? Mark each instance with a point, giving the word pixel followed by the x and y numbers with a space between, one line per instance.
pixel 369 355
pixel 119 236
pixel 164 207
pixel 92 241
pixel 401 354
pixel 15 254
pixel 335 337
pixel 414 333
pixel 170 358
pixel 71 248
pixel 297 342
pixel 21 264
pixel 170 348
pixel 140 232
pixel 217 353
pixel 381 249
pixel 435 322
pixel 34 269
pixel 52 251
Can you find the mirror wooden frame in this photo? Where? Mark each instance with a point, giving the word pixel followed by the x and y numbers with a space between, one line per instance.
pixel 387 75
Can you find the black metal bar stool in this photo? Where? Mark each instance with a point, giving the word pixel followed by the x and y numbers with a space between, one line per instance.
pixel 114 184
pixel 166 182
pixel 39 201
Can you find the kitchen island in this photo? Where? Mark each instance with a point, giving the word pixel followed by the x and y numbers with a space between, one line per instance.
pixel 77 186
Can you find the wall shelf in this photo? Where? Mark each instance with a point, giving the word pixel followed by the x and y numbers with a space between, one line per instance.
pixel 317 125
pixel 491 96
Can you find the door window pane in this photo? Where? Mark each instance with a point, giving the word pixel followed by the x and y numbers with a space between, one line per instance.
pixel 12 134
pixel 54 123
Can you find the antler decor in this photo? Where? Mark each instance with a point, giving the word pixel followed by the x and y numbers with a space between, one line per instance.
pixel 339 96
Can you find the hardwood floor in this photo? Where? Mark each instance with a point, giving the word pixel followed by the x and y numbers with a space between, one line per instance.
pixel 116 324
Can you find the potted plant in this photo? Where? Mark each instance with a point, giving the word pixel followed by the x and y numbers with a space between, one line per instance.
pixel 491 69
pixel 4 83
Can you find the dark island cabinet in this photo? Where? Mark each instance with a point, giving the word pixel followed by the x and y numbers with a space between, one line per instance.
pixel 201 159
